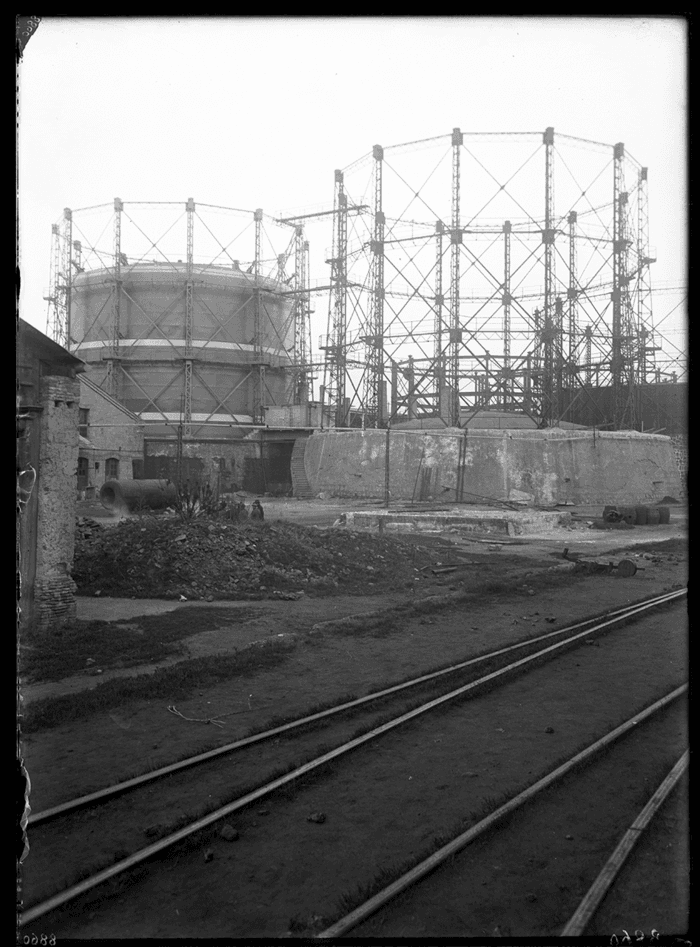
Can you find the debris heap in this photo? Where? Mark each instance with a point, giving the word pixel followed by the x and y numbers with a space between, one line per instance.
pixel 210 558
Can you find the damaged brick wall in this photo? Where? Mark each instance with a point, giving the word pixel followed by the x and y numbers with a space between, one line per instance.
pixel 54 600
pixel 226 465
pixel 222 464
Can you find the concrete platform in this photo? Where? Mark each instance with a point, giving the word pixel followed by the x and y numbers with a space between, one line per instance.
pixel 499 522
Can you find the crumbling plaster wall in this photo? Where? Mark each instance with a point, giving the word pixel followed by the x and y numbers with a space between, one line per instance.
pixel 540 468
pixel 680 449
pixel 218 463
pixel 54 592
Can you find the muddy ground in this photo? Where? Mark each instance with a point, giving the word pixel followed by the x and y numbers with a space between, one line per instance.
pixel 505 591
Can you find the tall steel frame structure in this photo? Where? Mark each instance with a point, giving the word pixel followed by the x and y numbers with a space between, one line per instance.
pixel 489 338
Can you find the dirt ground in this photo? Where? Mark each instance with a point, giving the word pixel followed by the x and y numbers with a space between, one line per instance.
pixel 323 664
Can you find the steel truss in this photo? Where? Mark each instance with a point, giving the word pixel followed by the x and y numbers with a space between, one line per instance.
pixel 545 298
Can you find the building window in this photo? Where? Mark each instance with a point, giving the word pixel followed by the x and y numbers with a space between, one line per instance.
pixel 84 421
pixel 112 468
pixel 82 473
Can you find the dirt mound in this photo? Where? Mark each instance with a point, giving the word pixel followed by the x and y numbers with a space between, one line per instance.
pixel 207 557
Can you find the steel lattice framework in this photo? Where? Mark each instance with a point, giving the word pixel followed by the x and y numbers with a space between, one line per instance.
pixel 154 232
pixel 467 271
pixel 461 283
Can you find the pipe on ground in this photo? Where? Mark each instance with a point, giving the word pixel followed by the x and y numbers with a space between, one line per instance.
pixel 137 494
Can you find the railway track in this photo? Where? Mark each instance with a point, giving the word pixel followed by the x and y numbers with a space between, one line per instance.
pixel 402 703
pixel 449 880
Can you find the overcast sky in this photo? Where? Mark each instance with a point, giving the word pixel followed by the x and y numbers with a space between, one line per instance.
pixel 249 112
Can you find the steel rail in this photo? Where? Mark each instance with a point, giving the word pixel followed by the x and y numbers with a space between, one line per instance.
pixel 101 795
pixel 600 887
pixel 82 887
pixel 461 841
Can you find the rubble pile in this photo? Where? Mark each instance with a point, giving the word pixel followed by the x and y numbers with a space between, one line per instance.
pixel 208 558
pixel 87 530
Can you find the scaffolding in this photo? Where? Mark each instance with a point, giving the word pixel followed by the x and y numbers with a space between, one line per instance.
pixel 462 284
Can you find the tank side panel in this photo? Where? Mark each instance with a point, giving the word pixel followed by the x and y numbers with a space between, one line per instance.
pixel 153 337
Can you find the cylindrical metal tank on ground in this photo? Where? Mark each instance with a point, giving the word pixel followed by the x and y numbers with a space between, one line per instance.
pixel 132 495
pixel 151 305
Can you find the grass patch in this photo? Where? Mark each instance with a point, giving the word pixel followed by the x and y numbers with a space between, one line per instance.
pixel 674 547
pixel 80 645
pixel 173 683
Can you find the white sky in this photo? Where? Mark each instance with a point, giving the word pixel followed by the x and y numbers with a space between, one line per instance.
pixel 258 112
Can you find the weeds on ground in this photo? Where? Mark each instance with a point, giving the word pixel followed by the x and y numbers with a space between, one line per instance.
pixel 81 645
pixel 197 499
pixel 173 683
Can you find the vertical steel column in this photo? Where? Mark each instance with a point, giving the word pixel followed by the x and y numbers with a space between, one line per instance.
pixel 557 346
pixel 487 380
pixel 507 299
pixel 623 342
pixel 53 320
pixel 68 269
pixel 616 350
pixel 189 319
pixel 374 397
pixel 589 355
pixel 572 296
pixel 645 316
pixel 306 328
pixel 536 364
pixel 337 344
pixel 114 353
pixel 438 358
pixel 301 248
pixel 548 241
pixel 258 366
pixel 410 375
pixel 456 241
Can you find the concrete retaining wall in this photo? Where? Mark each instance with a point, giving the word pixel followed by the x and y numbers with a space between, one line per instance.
pixel 540 468
pixel 680 449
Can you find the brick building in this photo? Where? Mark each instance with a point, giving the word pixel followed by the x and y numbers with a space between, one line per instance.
pixel 48 394
pixel 111 440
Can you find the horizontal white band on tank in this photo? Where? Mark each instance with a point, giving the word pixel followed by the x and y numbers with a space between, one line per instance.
pixel 181 343
pixel 177 417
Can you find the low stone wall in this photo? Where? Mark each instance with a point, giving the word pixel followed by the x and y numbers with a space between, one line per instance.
pixel 539 468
